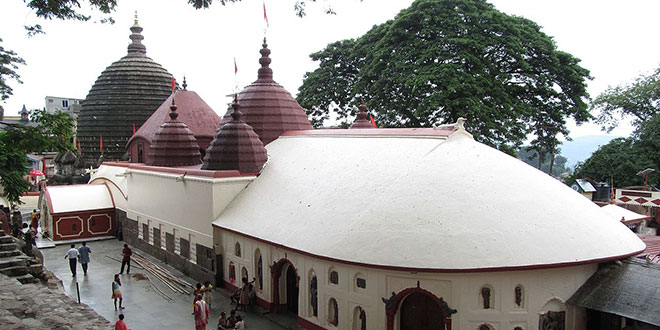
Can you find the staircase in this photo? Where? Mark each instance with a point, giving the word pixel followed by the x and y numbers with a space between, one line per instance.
pixel 14 263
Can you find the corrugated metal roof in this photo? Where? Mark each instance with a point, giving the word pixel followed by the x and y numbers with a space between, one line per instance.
pixel 585 185
pixel 652 245
pixel 630 289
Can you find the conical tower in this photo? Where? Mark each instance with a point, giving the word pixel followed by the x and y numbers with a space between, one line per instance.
pixel 236 146
pixel 174 144
pixel 125 94
pixel 361 121
pixel 267 106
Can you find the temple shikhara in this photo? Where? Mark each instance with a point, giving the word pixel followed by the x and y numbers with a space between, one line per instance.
pixel 360 228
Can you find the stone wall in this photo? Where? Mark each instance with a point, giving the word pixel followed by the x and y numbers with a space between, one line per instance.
pixel 39 307
pixel 196 270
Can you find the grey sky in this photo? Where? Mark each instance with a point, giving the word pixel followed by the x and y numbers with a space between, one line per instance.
pixel 616 40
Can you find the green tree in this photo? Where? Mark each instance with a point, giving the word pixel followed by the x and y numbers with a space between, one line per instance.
pixel 53 133
pixel 531 157
pixel 639 100
pixel 440 60
pixel 9 62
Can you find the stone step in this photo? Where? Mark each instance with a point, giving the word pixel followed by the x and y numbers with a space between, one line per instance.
pixel 13 261
pixel 14 271
pixel 8 247
pixel 35 269
pixel 2 232
pixel 6 239
pixel 6 254
pixel 28 278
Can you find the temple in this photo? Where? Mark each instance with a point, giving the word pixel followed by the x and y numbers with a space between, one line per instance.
pixel 360 228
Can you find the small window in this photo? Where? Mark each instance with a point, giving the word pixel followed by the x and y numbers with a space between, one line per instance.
pixel 361 283
pixel 333 312
pixel 65 103
pixel 518 328
pixel 359 319
pixel 334 277
pixel 140 153
pixel 237 249
pixel 50 100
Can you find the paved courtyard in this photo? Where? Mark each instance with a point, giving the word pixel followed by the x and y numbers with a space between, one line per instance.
pixel 145 309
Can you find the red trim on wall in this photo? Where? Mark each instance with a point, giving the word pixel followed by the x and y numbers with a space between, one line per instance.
pixel 275 274
pixel 84 230
pixel 112 198
pixel 309 325
pixel 189 170
pixel 108 180
pixel 434 270
pixel 418 131
pixel 31 193
pixel 391 312
pixel 263 303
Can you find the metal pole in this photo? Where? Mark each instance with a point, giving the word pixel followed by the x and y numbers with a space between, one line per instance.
pixel 78 291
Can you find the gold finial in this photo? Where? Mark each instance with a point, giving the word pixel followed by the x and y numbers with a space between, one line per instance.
pixel 136 20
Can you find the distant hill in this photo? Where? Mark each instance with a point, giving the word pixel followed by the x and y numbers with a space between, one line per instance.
pixel 582 147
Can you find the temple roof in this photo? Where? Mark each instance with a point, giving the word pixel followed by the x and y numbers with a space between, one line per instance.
pixel 174 144
pixel 193 111
pixel 267 106
pixel 236 146
pixel 419 200
pixel 125 94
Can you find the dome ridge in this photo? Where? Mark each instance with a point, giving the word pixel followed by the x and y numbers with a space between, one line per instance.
pixel 235 146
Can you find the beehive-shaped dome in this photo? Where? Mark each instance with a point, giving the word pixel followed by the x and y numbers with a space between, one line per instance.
pixel 174 144
pixel 125 94
pixel 268 107
pixel 236 146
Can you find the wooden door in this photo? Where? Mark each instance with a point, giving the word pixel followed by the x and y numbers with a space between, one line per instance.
pixel 420 312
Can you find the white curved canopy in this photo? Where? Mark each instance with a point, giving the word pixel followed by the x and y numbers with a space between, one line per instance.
pixel 420 202
pixel 76 198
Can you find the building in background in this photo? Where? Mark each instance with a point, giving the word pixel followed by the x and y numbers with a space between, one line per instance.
pixel 65 104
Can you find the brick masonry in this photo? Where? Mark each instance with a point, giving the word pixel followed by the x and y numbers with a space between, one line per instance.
pixel 203 270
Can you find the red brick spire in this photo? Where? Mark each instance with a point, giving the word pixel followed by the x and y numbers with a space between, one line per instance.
pixel 236 146
pixel 267 106
pixel 361 121
pixel 174 144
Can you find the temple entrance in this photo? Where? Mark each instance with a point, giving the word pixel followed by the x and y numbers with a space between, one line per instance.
pixel 285 287
pixel 420 312
pixel 291 290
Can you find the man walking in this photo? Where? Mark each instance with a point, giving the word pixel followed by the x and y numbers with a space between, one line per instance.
pixel 126 260
pixel 201 313
pixel 84 252
pixel 72 254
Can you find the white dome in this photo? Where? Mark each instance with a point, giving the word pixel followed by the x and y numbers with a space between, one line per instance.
pixel 405 200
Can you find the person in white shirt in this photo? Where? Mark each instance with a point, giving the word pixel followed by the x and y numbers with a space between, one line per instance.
pixel 72 254
pixel 240 325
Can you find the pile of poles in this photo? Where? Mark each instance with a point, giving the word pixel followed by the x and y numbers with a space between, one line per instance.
pixel 175 284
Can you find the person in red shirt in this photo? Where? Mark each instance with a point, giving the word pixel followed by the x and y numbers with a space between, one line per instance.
pixel 120 325
pixel 126 260
pixel 201 314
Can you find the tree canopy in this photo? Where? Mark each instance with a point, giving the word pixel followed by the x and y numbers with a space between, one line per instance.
pixel 54 132
pixel 640 100
pixel 437 61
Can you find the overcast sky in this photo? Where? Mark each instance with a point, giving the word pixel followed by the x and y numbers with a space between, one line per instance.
pixel 616 40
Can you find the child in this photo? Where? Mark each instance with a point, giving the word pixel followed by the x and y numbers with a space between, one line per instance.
pixel 207 291
pixel 116 293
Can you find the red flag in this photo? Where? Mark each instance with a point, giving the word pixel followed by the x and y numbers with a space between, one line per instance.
pixel 265 16
pixel 373 122
pixel 79 148
pixel 101 143
pixel 235 66
pixel 173 84
pixel 133 128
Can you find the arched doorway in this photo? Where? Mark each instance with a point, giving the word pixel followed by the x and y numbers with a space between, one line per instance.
pixel 417 309
pixel 285 285
pixel 291 290
pixel 420 312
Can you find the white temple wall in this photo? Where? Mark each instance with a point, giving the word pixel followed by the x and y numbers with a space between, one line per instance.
pixel 543 289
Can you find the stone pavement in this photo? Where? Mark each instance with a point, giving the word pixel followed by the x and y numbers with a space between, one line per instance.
pixel 40 307
pixel 145 308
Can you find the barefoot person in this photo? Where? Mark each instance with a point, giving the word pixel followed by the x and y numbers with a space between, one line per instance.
pixel 116 292
pixel 120 325
pixel 126 259
pixel 201 313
